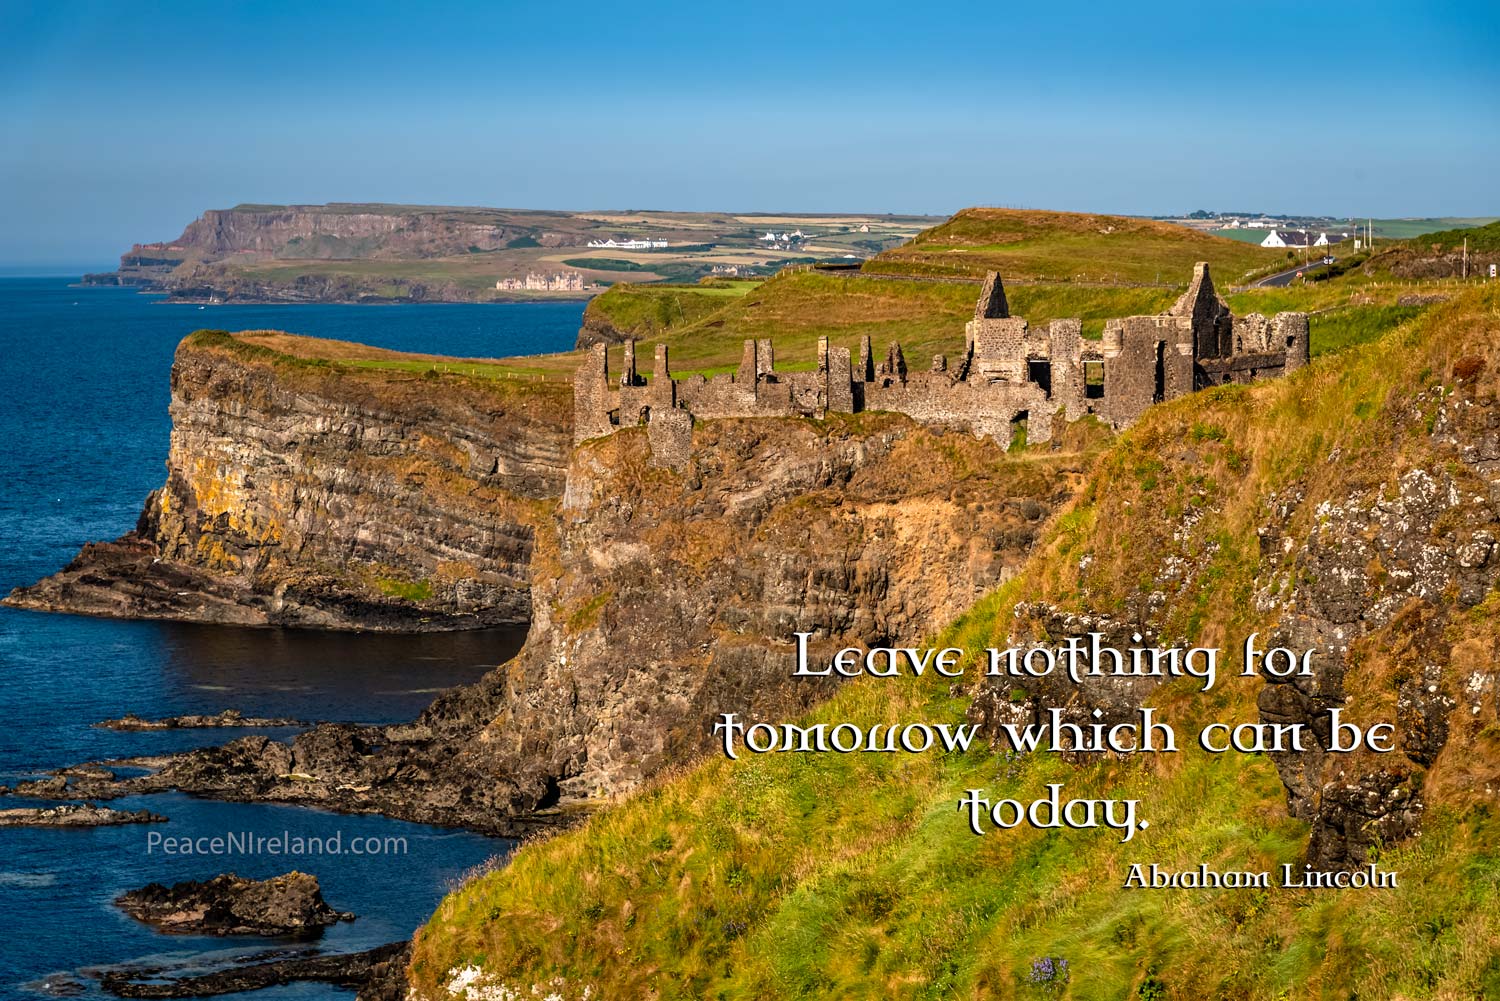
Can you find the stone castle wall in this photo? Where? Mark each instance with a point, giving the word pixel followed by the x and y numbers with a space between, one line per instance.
pixel 1009 377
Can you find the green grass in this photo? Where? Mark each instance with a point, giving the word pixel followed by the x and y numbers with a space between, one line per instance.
pixel 605 264
pixel 408 590
pixel 851 876
pixel 1341 329
pixel 439 367
pixel 644 311
pixel 1433 228
pixel 1481 239
pixel 1069 247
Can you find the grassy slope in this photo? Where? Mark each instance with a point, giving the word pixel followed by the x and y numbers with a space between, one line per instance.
pixel 852 876
pixel 646 310
pixel 1065 246
pixel 1405 229
pixel 1480 239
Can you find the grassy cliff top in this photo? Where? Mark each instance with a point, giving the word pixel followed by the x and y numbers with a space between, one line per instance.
pixel 1067 246
pixel 398 373
pixel 705 325
pixel 852 875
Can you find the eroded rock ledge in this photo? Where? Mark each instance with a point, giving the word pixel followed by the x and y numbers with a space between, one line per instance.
pixel 378 974
pixel 229 718
pixel 76 815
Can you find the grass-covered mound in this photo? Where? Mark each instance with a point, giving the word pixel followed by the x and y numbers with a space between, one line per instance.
pixel 1068 246
pixel 853 876
pixel 642 310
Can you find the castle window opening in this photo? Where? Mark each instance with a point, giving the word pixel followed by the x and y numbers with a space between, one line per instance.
pixel 1039 371
pixel 645 415
pixel 1093 380
pixel 1160 392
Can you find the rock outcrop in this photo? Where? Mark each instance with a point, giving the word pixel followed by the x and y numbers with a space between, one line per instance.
pixel 288 905
pixel 75 815
pixel 305 493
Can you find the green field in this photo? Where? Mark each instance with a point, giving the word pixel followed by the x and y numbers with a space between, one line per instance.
pixel 1405 229
pixel 1068 247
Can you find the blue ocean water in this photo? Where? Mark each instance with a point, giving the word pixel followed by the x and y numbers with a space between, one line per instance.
pixel 83 439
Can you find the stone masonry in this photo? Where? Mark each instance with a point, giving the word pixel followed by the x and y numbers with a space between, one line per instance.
pixel 1010 379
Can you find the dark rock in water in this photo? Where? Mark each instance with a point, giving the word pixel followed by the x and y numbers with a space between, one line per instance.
pixel 231 905
pixel 227 718
pixel 352 969
pixel 58 985
pixel 75 815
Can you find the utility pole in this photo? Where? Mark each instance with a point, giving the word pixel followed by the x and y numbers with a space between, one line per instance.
pixel 1466 258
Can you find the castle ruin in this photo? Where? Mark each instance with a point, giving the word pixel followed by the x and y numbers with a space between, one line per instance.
pixel 1008 377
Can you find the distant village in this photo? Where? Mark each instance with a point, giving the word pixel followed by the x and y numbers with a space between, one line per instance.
pixel 786 241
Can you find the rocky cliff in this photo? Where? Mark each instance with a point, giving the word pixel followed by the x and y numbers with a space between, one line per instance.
pixel 677 594
pixel 303 492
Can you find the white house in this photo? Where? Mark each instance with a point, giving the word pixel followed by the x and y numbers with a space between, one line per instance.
pixel 1287 238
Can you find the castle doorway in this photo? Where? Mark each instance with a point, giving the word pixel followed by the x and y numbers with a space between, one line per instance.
pixel 1161 373
pixel 1018 430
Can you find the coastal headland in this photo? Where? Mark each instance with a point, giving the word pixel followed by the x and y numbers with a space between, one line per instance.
pixel 1347 506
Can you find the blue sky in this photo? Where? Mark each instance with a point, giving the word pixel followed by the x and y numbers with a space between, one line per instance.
pixel 122 122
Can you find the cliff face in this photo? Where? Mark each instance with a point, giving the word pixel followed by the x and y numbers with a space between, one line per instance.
pixel 676 596
pixel 294 232
pixel 349 231
pixel 214 257
pixel 301 494
pixel 304 493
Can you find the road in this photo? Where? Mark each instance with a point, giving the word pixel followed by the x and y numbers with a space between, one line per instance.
pixel 1284 278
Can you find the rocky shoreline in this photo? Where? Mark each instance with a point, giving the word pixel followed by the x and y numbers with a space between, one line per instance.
pixel 229 718
pixel 430 771
pixel 378 974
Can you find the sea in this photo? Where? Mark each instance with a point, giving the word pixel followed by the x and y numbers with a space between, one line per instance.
pixel 83 439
